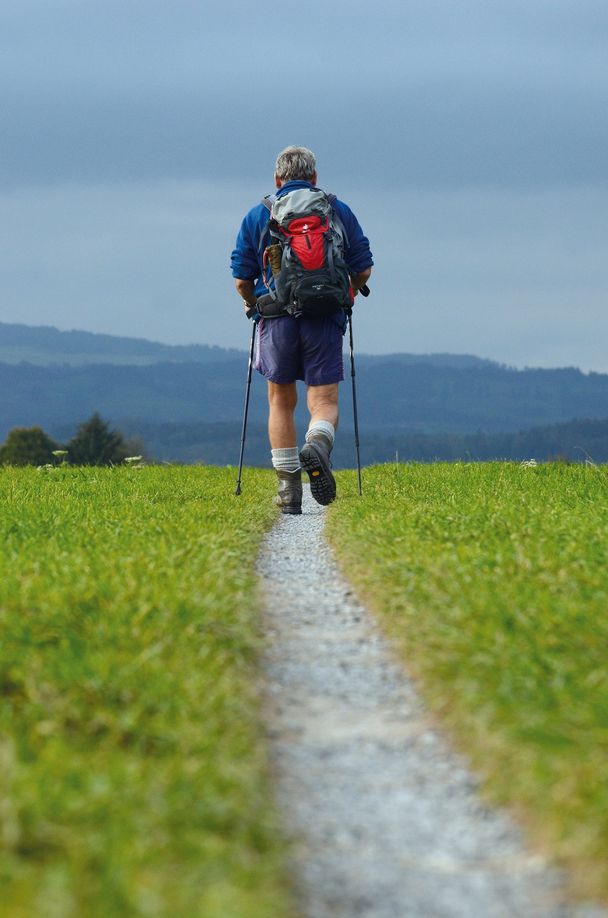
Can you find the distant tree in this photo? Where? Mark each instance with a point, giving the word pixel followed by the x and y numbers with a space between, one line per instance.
pixel 95 444
pixel 27 446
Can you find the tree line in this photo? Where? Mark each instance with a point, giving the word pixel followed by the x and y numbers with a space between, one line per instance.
pixel 94 443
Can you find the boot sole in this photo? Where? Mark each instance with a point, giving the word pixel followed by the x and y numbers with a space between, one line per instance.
pixel 293 511
pixel 322 482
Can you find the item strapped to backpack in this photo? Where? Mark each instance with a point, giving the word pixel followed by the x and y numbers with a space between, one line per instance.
pixel 305 257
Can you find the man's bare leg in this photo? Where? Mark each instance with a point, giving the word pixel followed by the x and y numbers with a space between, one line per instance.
pixel 282 399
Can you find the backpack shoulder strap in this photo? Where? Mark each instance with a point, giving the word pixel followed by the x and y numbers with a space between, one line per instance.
pixel 332 198
pixel 267 201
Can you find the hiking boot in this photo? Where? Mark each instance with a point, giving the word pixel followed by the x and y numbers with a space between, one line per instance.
pixel 314 457
pixel 289 498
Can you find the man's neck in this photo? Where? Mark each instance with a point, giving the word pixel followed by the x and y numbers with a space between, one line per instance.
pixel 292 182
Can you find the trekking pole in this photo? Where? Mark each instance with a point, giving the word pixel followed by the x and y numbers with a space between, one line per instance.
pixel 352 377
pixel 246 411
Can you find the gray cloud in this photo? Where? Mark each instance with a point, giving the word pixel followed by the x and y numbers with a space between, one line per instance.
pixel 469 137
pixel 432 94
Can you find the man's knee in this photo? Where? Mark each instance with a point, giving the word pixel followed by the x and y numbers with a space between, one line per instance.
pixel 320 396
pixel 282 396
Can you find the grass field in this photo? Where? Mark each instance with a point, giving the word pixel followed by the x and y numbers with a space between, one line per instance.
pixel 493 581
pixel 132 779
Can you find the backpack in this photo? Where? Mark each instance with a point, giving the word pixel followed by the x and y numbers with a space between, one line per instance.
pixel 306 255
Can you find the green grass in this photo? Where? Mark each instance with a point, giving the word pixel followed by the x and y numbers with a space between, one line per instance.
pixel 132 776
pixel 493 581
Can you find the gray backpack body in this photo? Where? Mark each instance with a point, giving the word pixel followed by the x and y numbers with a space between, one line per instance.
pixel 306 255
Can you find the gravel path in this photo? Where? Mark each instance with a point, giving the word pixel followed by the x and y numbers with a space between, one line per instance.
pixel 386 819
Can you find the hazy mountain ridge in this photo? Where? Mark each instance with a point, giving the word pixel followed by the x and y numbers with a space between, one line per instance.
pixel 457 361
pixel 46 345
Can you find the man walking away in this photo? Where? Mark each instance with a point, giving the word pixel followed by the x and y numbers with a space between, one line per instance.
pixel 300 258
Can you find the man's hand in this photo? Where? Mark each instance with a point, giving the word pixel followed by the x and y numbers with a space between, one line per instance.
pixel 359 280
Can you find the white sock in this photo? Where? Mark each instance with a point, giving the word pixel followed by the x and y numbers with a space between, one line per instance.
pixel 323 428
pixel 286 460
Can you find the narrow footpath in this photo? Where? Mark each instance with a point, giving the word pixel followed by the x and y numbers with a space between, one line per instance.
pixel 385 817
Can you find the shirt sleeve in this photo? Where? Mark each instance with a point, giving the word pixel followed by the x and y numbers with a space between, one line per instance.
pixel 244 261
pixel 358 253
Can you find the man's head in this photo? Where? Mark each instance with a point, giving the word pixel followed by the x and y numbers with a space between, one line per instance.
pixel 295 164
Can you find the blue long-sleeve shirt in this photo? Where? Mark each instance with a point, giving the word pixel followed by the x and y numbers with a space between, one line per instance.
pixel 246 260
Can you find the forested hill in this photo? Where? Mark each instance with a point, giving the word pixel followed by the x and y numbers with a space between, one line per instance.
pixel 574 441
pixel 136 383
pixel 392 395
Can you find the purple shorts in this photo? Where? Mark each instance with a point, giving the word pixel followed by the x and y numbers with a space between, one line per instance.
pixel 308 349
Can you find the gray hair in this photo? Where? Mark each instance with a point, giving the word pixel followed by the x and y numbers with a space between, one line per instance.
pixel 295 163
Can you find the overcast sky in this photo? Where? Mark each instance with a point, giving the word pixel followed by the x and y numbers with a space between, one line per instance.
pixel 469 137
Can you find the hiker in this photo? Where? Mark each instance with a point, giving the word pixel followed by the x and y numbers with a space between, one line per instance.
pixel 300 259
